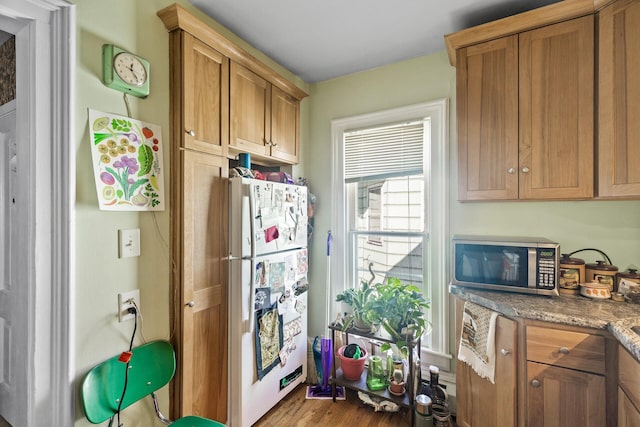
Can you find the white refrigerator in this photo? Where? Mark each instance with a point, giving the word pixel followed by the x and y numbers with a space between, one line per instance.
pixel 267 295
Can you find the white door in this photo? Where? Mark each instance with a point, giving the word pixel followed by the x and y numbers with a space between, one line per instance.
pixel 12 341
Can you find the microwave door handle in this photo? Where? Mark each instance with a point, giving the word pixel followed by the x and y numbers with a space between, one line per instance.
pixel 532 268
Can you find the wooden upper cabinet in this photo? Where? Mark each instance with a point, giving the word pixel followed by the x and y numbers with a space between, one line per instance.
pixel 619 100
pixel 556 93
pixel 487 118
pixel 265 120
pixel 285 126
pixel 250 113
pixel 205 82
pixel 525 105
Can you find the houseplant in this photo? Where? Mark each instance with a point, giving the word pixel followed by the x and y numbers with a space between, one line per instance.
pixel 398 307
pixel 359 299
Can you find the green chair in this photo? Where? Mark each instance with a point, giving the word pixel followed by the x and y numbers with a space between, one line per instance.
pixel 151 367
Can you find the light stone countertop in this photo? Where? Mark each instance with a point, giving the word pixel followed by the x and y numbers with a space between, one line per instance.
pixel 616 317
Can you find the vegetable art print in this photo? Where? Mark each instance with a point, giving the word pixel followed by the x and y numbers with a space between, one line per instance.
pixel 127 162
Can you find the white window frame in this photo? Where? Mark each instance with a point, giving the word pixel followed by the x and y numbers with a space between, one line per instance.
pixel 435 349
pixel 375 239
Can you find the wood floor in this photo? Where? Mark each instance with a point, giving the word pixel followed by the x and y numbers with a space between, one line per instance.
pixel 296 410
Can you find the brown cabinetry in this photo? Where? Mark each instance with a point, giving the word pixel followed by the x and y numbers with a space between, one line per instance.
pixel 566 385
pixel 199 244
pixel 628 389
pixel 199 215
pixel 202 82
pixel 564 397
pixel 479 402
pixel 525 114
pixel 264 118
pixel 619 99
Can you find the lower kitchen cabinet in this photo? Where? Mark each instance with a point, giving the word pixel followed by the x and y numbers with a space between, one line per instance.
pixel 628 390
pixel 628 414
pixel 564 397
pixel 479 402
pixel 549 375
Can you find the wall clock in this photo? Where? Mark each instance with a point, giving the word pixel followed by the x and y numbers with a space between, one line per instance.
pixel 125 71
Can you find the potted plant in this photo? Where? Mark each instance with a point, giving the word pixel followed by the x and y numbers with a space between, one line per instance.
pixel 359 299
pixel 396 385
pixel 398 307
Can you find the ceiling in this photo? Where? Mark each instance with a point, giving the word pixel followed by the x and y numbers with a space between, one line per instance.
pixel 321 40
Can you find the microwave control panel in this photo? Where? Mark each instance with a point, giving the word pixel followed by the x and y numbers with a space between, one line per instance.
pixel 547 268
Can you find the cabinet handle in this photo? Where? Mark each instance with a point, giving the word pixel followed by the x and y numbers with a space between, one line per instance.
pixel 564 350
pixel 273 145
pixel 535 383
pixel 525 170
pixel 511 171
pixel 505 352
pixel 191 303
pixel 191 132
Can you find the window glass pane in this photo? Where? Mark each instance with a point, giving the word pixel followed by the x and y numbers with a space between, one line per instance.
pixel 392 204
pixel 399 256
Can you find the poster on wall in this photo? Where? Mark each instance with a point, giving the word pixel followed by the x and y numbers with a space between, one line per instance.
pixel 127 162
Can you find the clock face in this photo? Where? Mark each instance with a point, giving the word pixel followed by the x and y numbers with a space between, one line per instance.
pixel 130 69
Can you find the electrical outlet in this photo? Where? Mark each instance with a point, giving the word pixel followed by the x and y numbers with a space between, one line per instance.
pixel 124 304
pixel 129 243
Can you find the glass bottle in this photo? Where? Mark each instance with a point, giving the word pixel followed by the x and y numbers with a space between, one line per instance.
pixel 435 390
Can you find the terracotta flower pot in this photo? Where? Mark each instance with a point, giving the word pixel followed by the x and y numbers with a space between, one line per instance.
pixel 352 369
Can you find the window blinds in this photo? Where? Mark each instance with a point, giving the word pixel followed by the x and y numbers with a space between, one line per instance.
pixel 384 152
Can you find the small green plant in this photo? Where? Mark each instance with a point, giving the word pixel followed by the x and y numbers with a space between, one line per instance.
pixel 398 307
pixel 359 299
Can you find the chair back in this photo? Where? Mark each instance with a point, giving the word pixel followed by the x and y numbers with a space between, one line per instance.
pixel 151 367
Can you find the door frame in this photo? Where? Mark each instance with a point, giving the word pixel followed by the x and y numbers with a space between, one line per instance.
pixel 45 63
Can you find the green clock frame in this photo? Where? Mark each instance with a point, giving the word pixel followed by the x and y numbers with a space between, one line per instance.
pixel 111 79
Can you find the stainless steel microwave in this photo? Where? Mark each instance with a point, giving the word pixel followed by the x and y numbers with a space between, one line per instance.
pixel 513 264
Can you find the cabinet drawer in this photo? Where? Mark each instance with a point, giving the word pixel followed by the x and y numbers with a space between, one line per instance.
pixel 629 375
pixel 575 350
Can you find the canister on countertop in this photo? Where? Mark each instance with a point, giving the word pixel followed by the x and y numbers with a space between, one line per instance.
pixel 631 275
pixel 572 274
pixel 602 273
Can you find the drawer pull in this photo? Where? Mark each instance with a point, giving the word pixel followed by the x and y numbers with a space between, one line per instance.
pixel 505 352
pixel 564 350
pixel 535 383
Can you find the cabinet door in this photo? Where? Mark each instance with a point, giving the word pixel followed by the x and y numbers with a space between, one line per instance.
pixel 202 303
pixel 205 81
pixel 481 403
pixel 285 126
pixel 560 397
pixel 619 100
pixel 487 114
pixel 628 414
pixel 250 111
pixel 556 111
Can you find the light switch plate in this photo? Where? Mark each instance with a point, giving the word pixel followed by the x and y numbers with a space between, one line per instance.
pixel 128 243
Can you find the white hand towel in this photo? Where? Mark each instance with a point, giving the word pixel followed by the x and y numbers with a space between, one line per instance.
pixel 478 340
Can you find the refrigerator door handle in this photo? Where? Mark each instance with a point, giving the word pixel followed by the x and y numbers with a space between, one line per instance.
pixel 248 323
